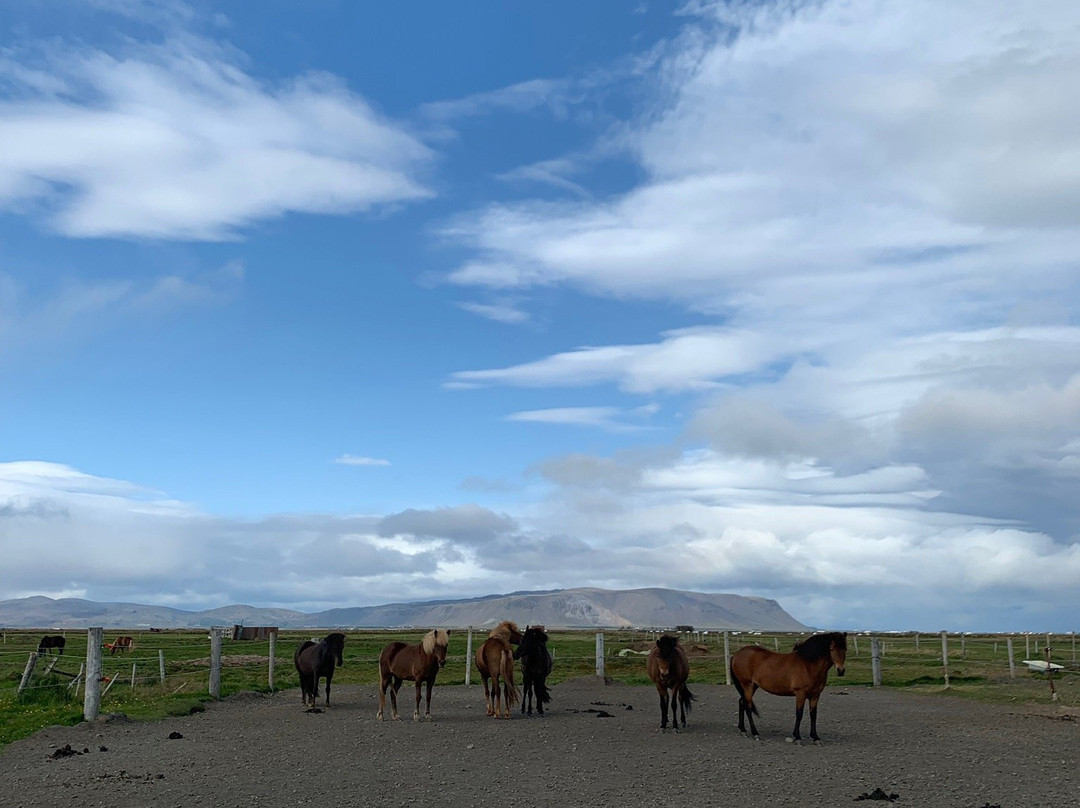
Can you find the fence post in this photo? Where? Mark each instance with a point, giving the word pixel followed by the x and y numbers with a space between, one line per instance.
pixel 161 665
pixel 875 661
pixel 1027 645
pixel 468 656
pixel 945 656
pixel 856 638
pixel 727 659
pixel 600 654
pixel 1012 665
pixel 133 664
pixel 273 656
pixel 28 671
pixel 78 678
pixel 92 685
pixel 215 662
pixel 916 642
pixel 1074 644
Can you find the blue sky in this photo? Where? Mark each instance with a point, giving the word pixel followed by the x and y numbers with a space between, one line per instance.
pixel 348 303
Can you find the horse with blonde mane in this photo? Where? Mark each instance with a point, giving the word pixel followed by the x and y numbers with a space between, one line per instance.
pixel 495 660
pixel 418 663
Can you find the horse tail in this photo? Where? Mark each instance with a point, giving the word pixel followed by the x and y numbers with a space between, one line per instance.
pixel 512 694
pixel 543 694
pixel 686 698
pixel 738 686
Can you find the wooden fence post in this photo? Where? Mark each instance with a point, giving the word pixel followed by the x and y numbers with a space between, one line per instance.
pixel 74 683
pixel 727 659
pixel 468 656
pixel 875 661
pixel 92 685
pixel 916 642
pixel 161 665
pixel 273 656
pixel 856 639
pixel 945 656
pixel 1074 644
pixel 1027 645
pixel 133 664
pixel 215 662
pixel 1012 665
pixel 28 671
pixel 600 654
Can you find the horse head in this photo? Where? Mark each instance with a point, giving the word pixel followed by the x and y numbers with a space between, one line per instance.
pixel 507 630
pixel 336 642
pixel 838 652
pixel 435 643
pixel 665 653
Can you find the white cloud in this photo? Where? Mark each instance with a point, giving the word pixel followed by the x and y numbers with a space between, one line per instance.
pixel 501 312
pixel 612 419
pixel 177 142
pixel 359 460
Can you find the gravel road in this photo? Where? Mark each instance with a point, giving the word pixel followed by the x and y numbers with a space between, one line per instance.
pixel 599 745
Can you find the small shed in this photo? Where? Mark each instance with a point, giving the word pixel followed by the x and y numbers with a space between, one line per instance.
pixel 253 632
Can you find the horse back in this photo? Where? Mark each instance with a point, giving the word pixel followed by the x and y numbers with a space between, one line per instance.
pixel 300 657
pixel 777 673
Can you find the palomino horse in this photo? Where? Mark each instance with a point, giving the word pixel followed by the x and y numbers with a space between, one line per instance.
pixel 536 664
pixel 120 645
pixel 316 659
pixel 51 641
pixel 669 669
pixel 495 660
pixel 801 673
pixel 418 663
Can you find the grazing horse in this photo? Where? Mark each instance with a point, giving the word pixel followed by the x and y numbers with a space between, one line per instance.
pixel 316 659
pixel 536 664
pixel 669 669
pixel 418 663
pixel 51 641
pixel 495 660
pixel 120 645
pixel 801 673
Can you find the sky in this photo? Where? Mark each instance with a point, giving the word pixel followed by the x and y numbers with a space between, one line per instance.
pixel 337 304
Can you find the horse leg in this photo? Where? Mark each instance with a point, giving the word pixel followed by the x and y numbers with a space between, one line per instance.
pixel 416 709
pixel 747 704
pixel 383 682
pixel 813 718
pixel 427 708
pixel 393 697
pixel 663 707
pixel 487 696
pixel 800 700
pixel 329 676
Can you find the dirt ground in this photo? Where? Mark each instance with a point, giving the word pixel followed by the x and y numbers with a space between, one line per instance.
pixel 599 745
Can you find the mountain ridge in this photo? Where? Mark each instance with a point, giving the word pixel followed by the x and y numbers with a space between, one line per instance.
pixel 583 607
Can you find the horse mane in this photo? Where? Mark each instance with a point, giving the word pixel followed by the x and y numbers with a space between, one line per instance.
pixel 667 645
pixel 435 638
pixel 816 647
pixel 504 630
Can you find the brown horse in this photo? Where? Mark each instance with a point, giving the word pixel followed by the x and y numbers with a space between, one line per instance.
pixel 418 663
pixel 801 673
pixel 495 660
pixel 316 660
pixel 120 645
pixel 669 669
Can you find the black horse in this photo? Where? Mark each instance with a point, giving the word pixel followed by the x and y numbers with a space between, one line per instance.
pixel 51 641
pixel 536 664
pixel 316 659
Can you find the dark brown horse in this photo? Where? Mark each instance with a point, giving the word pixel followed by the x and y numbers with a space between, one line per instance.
pixel 669 669
pixel 120 645
pixel 418 663
pixel 801 673
pixel 495 660
pixel 536 665
pixel 315 660
pixel 51 641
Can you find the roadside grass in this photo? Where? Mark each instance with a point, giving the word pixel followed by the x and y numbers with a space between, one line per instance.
pixel 978 668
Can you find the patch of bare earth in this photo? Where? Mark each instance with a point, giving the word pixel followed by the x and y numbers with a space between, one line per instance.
pixel 599 745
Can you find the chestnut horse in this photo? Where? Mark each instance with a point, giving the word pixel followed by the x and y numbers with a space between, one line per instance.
pixel 495 660
pixel 120 644
pixel 536 665
pixel 801 673
pixel 418 663
pixel 315 660
pixel 669 669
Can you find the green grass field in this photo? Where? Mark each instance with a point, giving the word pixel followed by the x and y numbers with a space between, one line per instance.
pixel 978 668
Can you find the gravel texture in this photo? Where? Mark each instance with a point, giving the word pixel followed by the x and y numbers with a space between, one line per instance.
pixel 599 745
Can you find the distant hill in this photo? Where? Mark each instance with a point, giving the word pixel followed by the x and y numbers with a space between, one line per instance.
pixel 560 608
